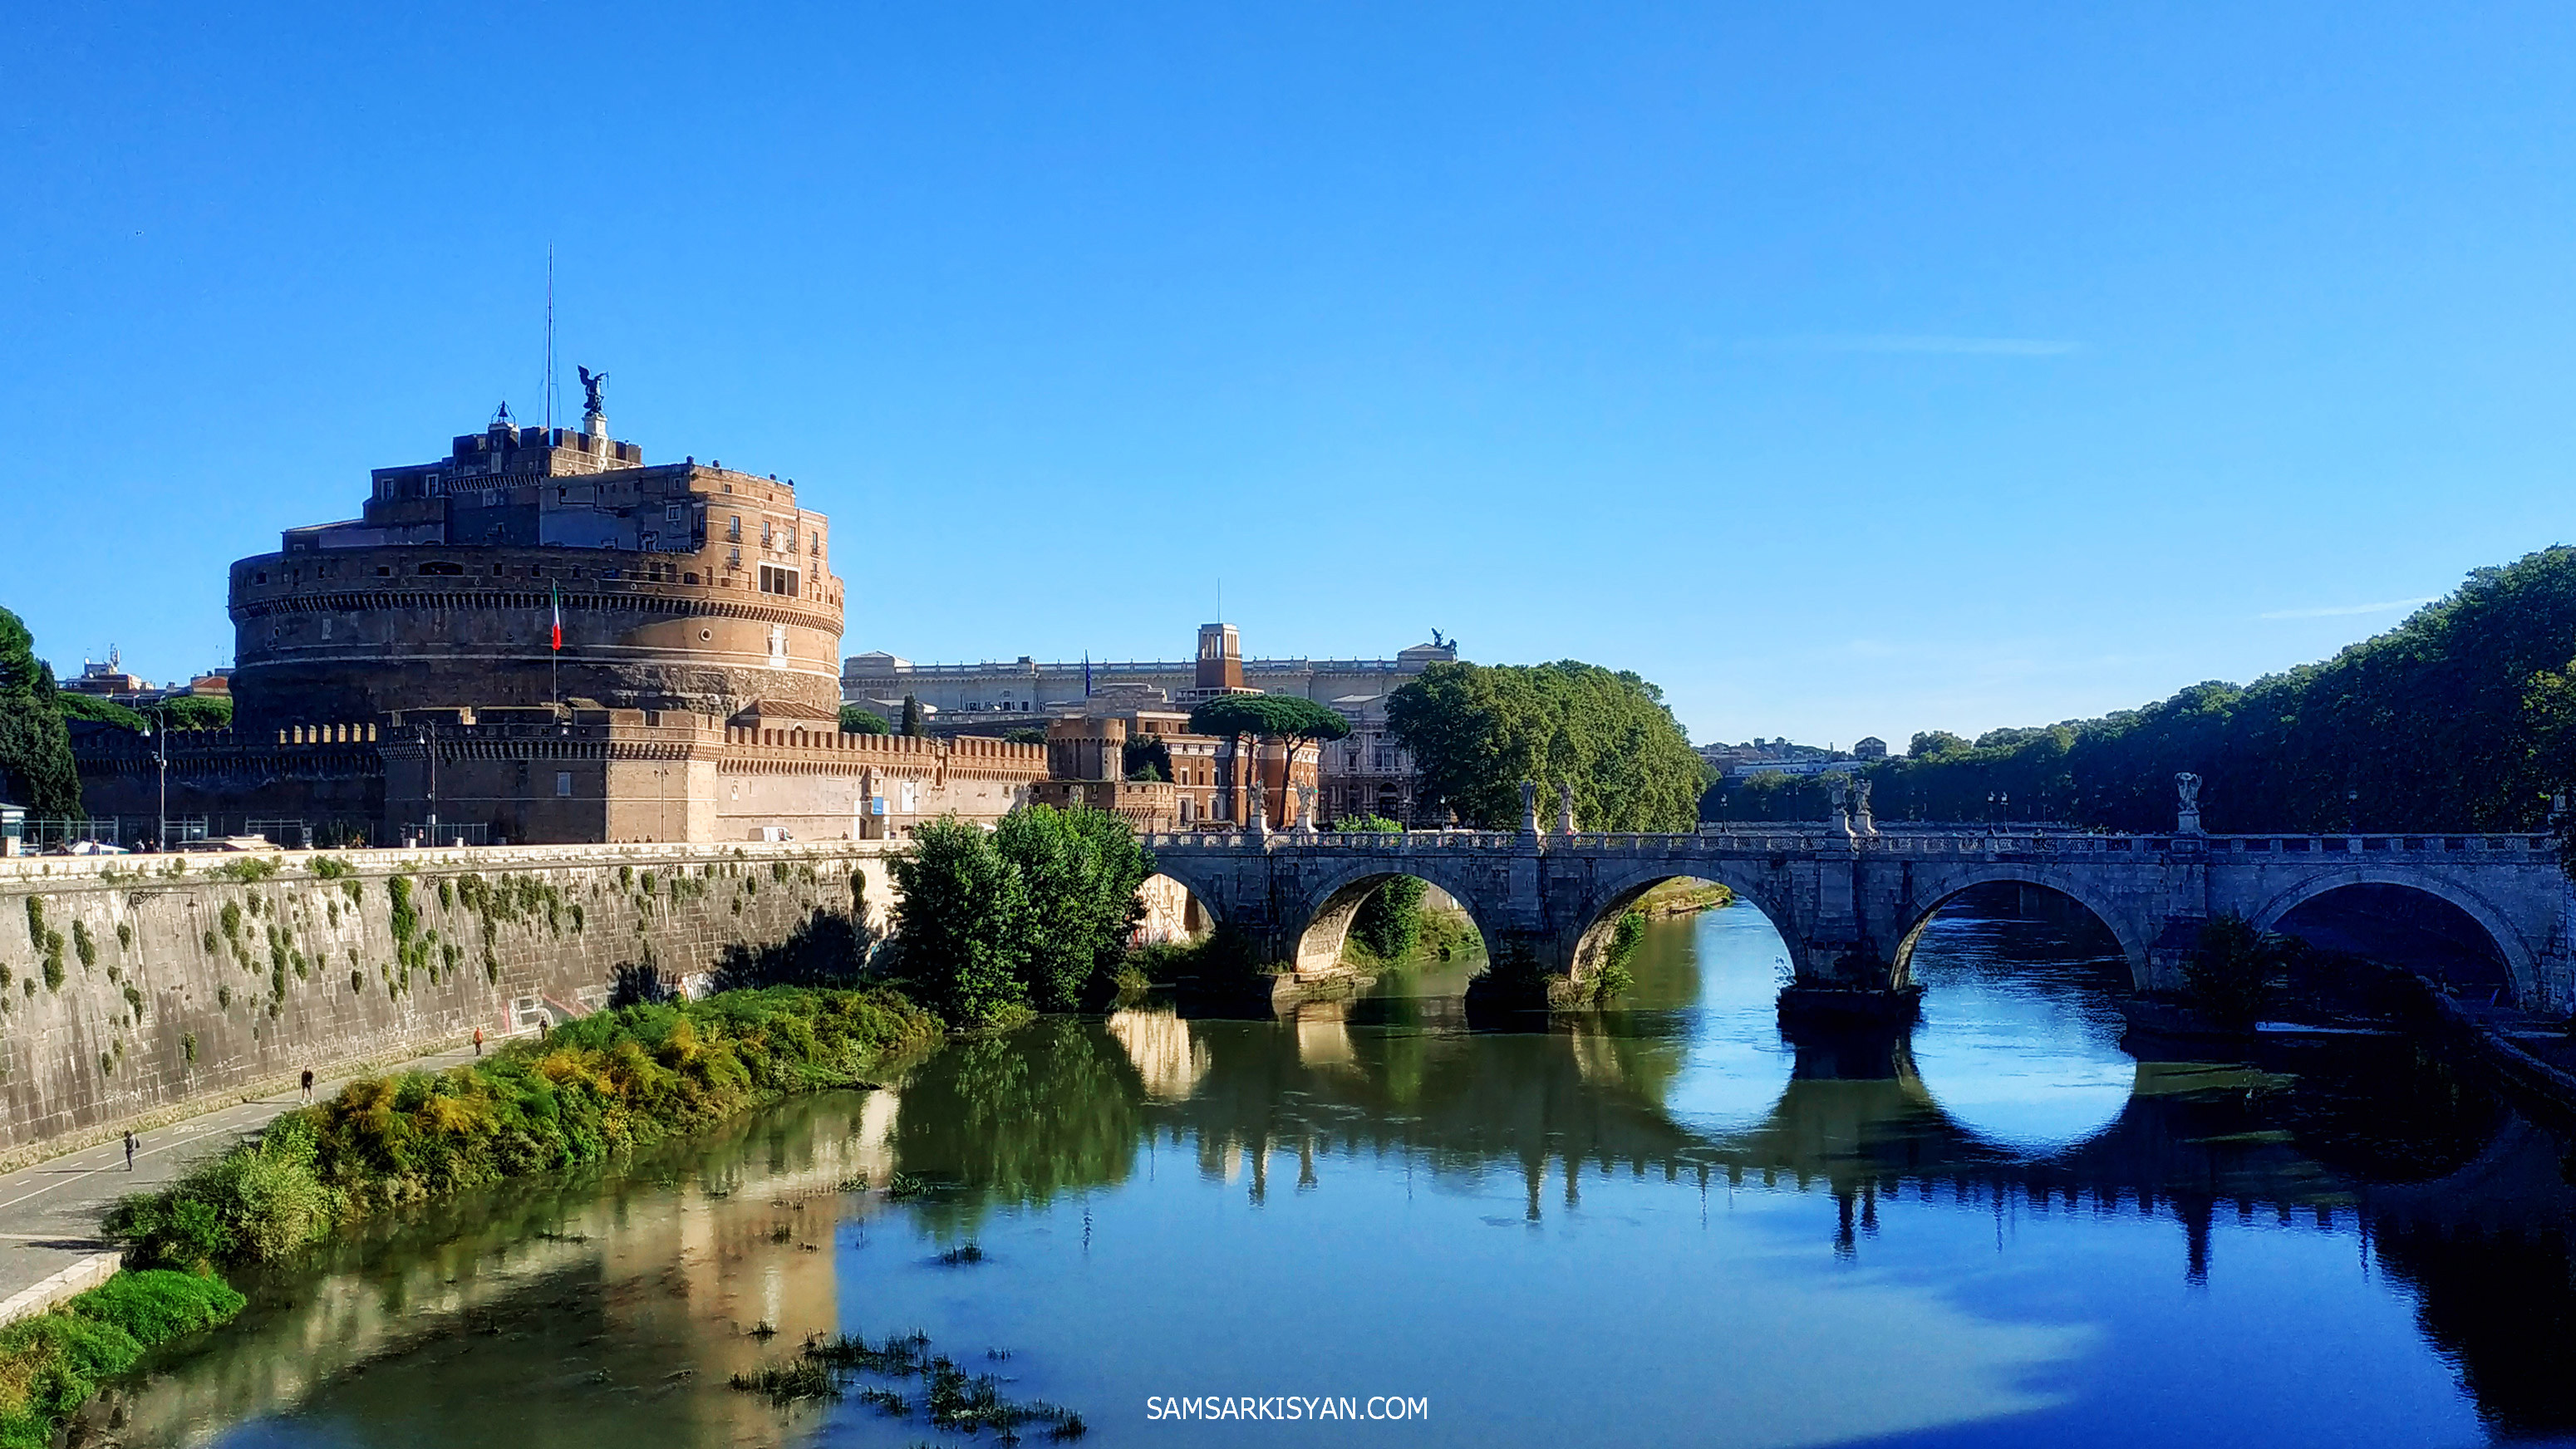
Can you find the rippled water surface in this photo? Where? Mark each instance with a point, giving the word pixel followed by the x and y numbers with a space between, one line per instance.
pixel 1666 1225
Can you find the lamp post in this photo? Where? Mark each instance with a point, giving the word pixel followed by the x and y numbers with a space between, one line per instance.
pixel 161 758
pixel 429 742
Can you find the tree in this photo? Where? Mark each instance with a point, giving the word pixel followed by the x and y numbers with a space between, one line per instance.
pixel 2234 970
pixel 36 768
pixel 98 711
pixel 1146 759
pixel 1288 720
pixel 1478 730
pixel 1081 869
pixel 1036 913
pixel 914 725
pixel 858 719
pixel 961 924
pixel 196 712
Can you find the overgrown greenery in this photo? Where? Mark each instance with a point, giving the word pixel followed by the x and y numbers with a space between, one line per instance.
pixel 51 1364
pixel 1035 914
pixel 858 719
pixel 36 768
pixel 2461 718
pixel 1478 730
pixel 2234 971
pixel 604 1084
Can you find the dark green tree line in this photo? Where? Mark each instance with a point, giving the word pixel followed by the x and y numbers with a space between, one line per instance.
pixel 2461 718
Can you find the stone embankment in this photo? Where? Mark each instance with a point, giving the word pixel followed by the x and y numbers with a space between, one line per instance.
pixel 138 990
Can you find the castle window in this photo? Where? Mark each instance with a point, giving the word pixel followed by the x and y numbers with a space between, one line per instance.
pixel 818 545
pixel 733 558
pixel 776 580
pixel 768 534
pixel 563 783
pixel 733 531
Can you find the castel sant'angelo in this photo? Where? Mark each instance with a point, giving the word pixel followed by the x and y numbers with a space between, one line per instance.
pixel 541 637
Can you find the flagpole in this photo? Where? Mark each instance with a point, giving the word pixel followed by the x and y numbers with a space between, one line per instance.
pixel 554 655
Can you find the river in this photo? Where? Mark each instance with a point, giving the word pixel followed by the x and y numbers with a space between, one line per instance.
pixel 1663 1225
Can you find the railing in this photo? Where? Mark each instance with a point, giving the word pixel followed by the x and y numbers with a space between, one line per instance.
pixel 1947 842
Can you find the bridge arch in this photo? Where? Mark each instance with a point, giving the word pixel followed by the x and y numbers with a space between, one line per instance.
pixel 2131 940
pixel 1323 924
pixel 1586 941
pixel 2514 952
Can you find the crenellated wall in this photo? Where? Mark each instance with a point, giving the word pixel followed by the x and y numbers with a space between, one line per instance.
pixel 134 996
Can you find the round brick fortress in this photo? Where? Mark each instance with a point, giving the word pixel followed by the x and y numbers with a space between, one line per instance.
pixel 712 593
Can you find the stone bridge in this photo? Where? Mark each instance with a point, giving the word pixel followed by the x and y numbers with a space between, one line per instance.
pixel 1850 905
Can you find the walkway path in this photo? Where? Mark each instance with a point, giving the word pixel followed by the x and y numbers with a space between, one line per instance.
pixel 49 1213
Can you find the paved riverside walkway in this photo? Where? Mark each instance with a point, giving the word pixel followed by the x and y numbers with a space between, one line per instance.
pixel 49 1213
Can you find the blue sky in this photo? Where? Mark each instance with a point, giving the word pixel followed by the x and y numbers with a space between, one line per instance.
pixel 1844 369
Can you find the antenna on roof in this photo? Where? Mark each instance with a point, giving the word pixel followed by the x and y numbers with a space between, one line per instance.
pixel 546 385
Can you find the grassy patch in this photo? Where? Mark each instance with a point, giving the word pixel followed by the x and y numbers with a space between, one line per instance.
pixel 52 1363
pixel 602 1085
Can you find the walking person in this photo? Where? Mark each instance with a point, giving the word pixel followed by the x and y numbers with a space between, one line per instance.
pixel 478 1041
pixel 129 1152
pixel 308 1086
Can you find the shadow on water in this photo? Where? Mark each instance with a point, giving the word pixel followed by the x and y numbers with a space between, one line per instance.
pixel 610 1308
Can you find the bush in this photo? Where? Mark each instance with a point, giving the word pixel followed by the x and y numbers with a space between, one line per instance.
pixel 52 1363
pixel 601 1085
pixel 1036 914
pixel 2234 970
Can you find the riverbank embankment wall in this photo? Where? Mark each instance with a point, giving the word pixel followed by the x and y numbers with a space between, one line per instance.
pixel 136 990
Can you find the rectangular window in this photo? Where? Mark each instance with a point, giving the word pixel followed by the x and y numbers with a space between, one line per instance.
pixel 673 513
pixel 776 580
pixel 563 784
pixel 733 530
pixel 767 535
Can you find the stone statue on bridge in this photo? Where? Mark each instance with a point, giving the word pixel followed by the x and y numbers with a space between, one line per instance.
pixel 1529 807
pixel 2187 786
pixel 1564 806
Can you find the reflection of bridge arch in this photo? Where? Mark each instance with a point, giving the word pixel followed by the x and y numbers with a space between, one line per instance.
pixel 2520 956
pixel 1953 884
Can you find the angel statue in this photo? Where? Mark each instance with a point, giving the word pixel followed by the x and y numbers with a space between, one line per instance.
pixel 591 383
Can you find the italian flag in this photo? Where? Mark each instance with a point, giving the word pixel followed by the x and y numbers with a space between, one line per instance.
pixel 555 593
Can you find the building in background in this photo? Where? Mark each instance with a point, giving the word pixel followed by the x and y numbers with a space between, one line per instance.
pixel 991 697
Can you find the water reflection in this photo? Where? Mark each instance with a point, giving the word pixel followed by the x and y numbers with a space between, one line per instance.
pixel 1996 1228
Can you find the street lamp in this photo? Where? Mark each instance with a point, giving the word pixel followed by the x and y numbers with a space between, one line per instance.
pixel 161 757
